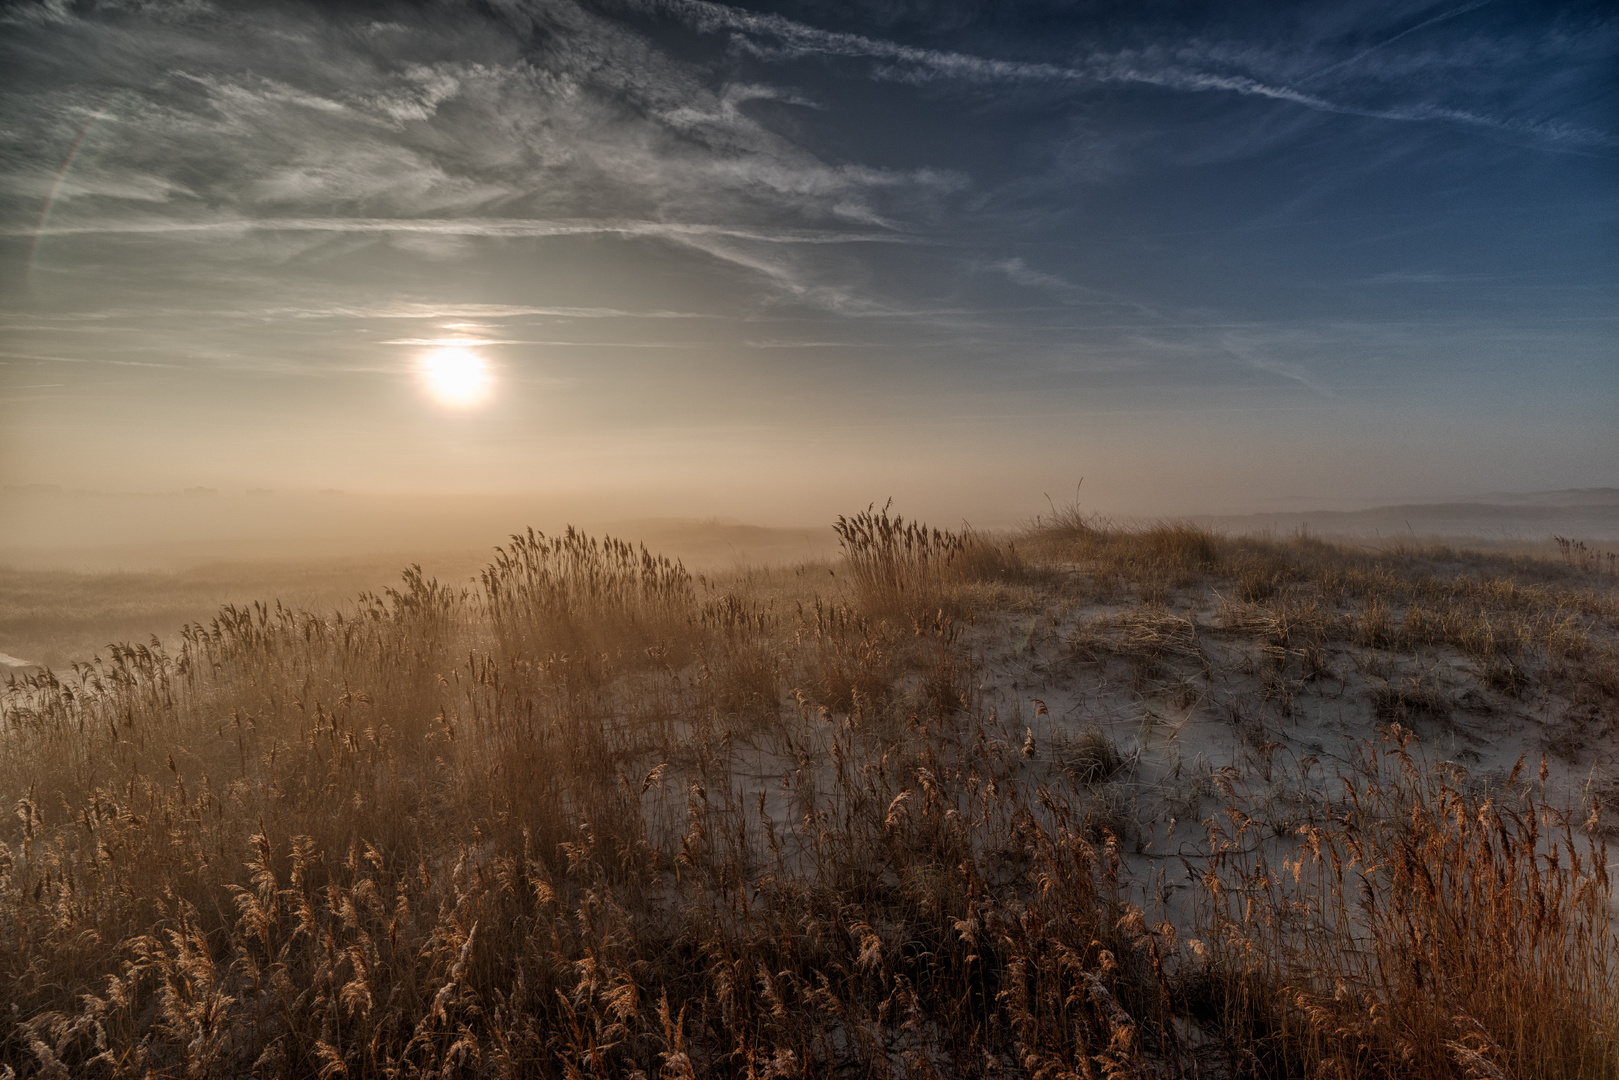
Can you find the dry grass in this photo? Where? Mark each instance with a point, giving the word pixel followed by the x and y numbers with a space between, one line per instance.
pixel 1089 757
pixel 905 568
pixel 1419 930
pixel 1519 619
pixel 1581 556
pixel 601 818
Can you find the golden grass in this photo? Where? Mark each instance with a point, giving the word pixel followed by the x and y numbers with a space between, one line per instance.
pixel 597 817
pixel 1416 930
pixel 905 568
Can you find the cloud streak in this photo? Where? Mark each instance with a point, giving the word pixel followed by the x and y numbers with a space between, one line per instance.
pixel 911 209
pixel 1444 16
pixel 597 115
pixel 514 228
pixel 774 37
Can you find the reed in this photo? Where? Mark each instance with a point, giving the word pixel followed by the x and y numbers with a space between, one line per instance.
pixel 1418 930
pixel 595 817
pixel 906 569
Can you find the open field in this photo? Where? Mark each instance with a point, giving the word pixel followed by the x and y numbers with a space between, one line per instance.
pixel 1084 801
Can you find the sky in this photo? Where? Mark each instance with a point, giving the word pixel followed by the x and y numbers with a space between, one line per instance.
pixel 779 260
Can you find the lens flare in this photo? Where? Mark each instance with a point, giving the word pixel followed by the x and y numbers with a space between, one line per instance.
pixel 457 377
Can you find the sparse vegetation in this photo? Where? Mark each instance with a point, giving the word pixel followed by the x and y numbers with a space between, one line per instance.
pixel 596 816
pixel 1089 757
pixel 1581 556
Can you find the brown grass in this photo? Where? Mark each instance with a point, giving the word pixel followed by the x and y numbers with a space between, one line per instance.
pixel 905 568
pixel 1516 617
pixel 600 818
pixel 1581 556
pixel 1418 930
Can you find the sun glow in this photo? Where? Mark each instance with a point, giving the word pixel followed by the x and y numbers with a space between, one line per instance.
pixel 457 377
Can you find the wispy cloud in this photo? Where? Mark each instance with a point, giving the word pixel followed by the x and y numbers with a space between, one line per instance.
pixel 1425 277
pixel 1019 272
pixel 1058 207
pixel 1260 357
pixel 1443 16
pixel 556 342
pixel 417 310
pixel 529 228
pixel 596 115
pixel 785 276
pixel 774 37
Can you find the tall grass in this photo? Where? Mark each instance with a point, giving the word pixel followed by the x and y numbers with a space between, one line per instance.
pixel 577 600
pixel 1581 556
pixel 1417 929
pixel 599 818
pixel 905 567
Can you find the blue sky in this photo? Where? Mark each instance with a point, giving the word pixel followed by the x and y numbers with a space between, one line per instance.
pixel 774 259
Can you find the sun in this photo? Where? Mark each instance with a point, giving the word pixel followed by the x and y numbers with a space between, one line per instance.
pixel 457 377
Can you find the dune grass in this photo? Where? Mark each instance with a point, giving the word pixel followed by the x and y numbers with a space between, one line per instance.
pixel 595 816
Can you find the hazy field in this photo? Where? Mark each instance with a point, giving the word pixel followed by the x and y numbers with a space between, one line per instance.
pixel 1076 801
pixel 63 604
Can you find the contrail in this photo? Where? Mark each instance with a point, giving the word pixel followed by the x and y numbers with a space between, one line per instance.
pixel 1441 17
